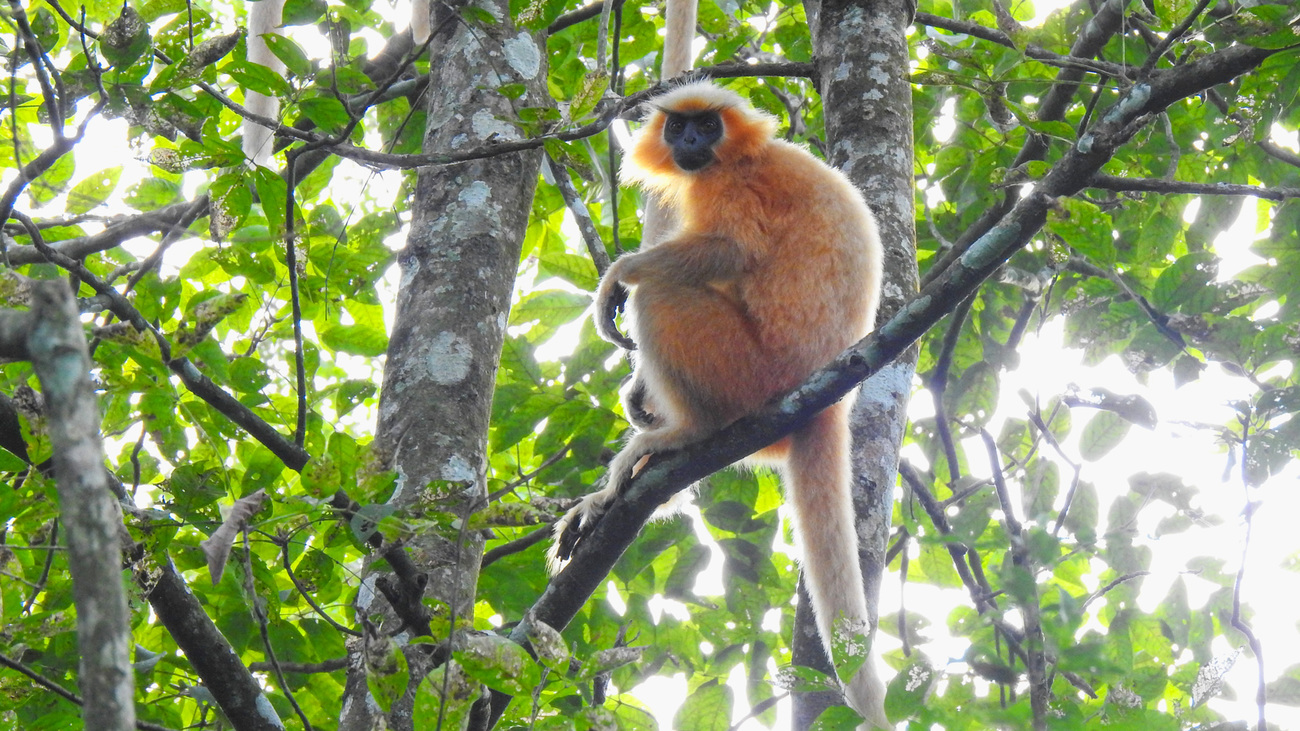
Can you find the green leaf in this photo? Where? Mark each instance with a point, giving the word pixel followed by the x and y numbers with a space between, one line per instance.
pixel 1085 512
pixel 1286 689
pixel 589 94
pixel 455 705
pixel 1185 278
pixel 125 39
pixel 93 191
pixel 231 202
pixel 352 393
pixel 248 375
pixel 293 57
pixel 365 521
pixel 706 709
pixel 551 307
pixel 975 395
pixel 512 91
pixel 259 78
pixel 365 340
pixel 303 12
pixel 850 647
pixel 574 269
pixel 194 490
pixel 52 184
pixel 328 113
pixel 1059 130
pixel 1131 407
pixel 1041 486
pixel 1104 432
pixel 151 10
pixel 272 192
pixel 151 194
pixel 837 718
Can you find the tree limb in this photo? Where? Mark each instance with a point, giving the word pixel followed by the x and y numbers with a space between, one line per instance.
pixel 60 358
pixel 1091 39
pixel 1038 53
pixel 294 456
pixel 1176 187
pixel 237 692
pixel 115 234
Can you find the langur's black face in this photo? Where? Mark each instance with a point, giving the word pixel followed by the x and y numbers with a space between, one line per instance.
pixel 691 137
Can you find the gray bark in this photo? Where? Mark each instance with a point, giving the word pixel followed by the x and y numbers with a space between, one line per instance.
pixel 224 675
pixel 862 62
pixel 57 347
pixel 458 272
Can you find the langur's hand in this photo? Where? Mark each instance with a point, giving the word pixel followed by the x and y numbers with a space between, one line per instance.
pixel 610 298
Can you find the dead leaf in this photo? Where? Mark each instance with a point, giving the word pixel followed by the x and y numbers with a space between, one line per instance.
pixel 217 547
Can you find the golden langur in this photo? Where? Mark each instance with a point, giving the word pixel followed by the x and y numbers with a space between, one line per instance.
pixel 773 269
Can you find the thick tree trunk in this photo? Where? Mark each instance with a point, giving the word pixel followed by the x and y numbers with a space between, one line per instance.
pixel 458 272
pixel 862 61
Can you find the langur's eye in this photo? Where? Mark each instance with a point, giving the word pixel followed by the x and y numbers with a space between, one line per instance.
pixel 709 125
pixel 676 126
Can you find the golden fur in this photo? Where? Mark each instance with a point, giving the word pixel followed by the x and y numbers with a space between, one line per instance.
pixel 772 271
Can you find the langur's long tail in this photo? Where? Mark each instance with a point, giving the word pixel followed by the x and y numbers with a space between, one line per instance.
pixel 264 16
pixel 818 478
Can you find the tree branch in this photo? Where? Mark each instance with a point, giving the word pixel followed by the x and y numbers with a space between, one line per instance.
pixel 1176 187
pixel 1091 39
pixel 1038 53
pixel 581 215
pixel 115 234
pixel 526 541
pixel 293 455
pixel 235 689
pixel 392 161
pixel 572 18
pixel 303 668
pixel 59 356
pixel 1280 153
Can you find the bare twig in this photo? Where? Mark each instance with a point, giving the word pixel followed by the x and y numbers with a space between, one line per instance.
pixel 517 545
pixel 955 549
pixel 1103 591
pixel 514 484
pixel 39 586
pixel 1173 36
pixel 256 606
pixel 581 216
pixel 306 595
pixel 1035 52
pixel 1177 187
pixel 938 385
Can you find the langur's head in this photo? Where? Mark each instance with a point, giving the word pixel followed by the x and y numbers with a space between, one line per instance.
pixel 694 128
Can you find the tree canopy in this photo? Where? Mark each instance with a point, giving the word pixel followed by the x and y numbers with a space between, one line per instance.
pixel 342 397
